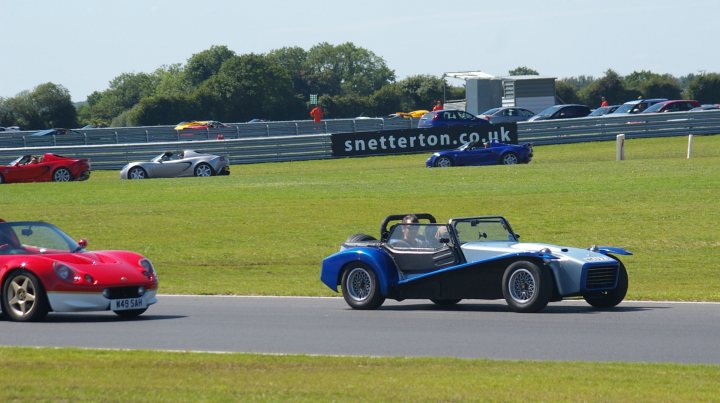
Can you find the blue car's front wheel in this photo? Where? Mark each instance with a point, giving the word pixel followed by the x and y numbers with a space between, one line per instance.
pixel 360 287
pixel 526 287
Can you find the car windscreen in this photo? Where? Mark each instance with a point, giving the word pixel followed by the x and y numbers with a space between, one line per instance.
pixel 654 108
pixel 549 111
pixel 490 111
pixel 483 230
pixel 31 237
pixel 625 108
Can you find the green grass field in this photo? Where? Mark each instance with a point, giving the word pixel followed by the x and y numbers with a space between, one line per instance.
pixel 120 376
pixel 265 229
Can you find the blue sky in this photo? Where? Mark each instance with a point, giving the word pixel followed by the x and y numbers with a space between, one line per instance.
pixel 83 44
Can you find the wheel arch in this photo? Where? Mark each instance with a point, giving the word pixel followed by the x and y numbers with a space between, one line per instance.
pixel 540 262
pixel 12 268
pixel 72 178
pixel 376 259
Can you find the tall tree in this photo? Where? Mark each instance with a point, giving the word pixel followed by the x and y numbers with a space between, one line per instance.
pixel 611 86
pixel 705 88
pixel 421 91
pixel 523 71
pixel 294 61
pixel 346 68
pixel 250 86
pixel 203 65
pixel 652 85
pixel 47 105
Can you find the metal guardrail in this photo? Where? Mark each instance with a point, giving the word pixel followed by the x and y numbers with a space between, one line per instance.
pixel 155 134
pixel 607 128
pixel 293 141
pixel 239 151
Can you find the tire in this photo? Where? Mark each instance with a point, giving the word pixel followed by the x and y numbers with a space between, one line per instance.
pixel 133 313
pixel 611 298
pixel 360 238
pixel 61 175
pixel 204 169
pixel 526 287
pixel 137 173
pixel 443 162
pixel 360 287
pixel 509 159
pixel 23 297
pixel 445 302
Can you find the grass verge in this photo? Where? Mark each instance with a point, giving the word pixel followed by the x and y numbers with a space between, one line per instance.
pixel 102 375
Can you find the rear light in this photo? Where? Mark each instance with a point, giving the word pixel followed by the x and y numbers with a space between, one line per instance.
pixel 436 116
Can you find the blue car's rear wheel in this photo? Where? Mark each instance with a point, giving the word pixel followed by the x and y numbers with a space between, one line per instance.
pixel 509 158
pixel 526 287
pixel 360 287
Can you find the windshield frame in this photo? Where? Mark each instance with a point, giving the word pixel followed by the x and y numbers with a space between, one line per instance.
pixel 497 226
pixel 23 230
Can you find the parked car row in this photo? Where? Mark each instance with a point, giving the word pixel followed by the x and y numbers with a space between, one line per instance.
pixel 51 167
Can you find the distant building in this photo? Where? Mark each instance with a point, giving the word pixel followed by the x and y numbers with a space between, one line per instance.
pixel 484 91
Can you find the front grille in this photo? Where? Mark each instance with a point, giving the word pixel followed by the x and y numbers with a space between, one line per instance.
pixel 122 292
pixel 601 277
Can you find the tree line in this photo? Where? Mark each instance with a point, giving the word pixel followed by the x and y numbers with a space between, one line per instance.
pixel 218 84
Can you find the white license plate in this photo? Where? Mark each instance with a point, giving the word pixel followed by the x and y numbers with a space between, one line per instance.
pixel 127 303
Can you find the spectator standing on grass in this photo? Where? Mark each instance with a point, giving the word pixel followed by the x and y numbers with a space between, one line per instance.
pixel 317 113
pixel 438 106
pixel 603 102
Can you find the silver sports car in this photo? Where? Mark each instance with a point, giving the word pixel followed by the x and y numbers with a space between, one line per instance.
pixel 171 165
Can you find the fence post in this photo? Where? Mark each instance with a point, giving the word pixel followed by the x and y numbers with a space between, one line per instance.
pixel 297 129
pixel 147 136
pixel 690 141
pixel 620 147
pixel 117 138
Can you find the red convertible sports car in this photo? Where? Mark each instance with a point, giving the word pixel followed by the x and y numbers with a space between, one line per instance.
pixel 45 168
pixel 42 269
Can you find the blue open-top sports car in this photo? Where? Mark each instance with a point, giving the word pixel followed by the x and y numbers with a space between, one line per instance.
pixel 479 153
pixel 470 258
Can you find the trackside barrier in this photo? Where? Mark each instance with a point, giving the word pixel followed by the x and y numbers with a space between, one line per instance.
pixel 239 151
pixel 283 141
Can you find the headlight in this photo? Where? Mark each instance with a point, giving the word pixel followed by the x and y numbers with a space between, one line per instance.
pixel 149 271
pixel 66 273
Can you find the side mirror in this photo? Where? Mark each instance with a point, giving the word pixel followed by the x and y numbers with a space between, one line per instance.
pixel 83 243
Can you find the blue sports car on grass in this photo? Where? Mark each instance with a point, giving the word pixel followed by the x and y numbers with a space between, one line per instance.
pixel 470 258
pixel 479 153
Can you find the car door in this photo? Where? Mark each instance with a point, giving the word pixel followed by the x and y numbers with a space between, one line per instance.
pixel 477 155
pixel 173 168
pixel 27 172
pixel 449 118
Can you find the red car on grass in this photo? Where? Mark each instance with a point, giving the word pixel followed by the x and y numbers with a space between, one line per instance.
pixel 45 168
pixel 42 269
